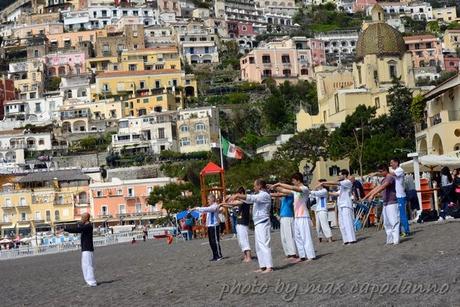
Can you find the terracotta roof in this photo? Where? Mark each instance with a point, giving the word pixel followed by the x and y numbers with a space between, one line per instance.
pixel 12 132
pixel 137 73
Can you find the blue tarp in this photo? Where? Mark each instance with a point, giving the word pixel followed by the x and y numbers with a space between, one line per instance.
pixel 184 213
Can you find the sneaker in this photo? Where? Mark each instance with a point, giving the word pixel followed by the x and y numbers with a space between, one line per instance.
pixel 449 217
pixel 440 219
pixel 403 235
pixel 219 259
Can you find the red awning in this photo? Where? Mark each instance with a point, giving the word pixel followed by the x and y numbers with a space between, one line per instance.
pixel 211 168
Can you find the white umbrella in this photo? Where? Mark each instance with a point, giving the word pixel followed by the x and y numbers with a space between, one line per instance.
pixel 5 241
pixel 432 163
pixel 25 240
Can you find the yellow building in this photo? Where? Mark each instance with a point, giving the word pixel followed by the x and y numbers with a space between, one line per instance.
pixel 439 131
pixel 150 59
pixel 451 40
pixel 143 105
pixel 88 116
pixel 446 14
pixel 380 56
pixel 124 85
pixel 41 200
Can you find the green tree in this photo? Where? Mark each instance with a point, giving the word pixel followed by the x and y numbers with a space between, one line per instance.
pixel 399 100
pixel 174 197
pixel 348 141
pixel 310 145
pixel 417 108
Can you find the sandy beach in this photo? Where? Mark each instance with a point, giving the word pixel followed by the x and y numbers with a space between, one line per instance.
pixel 423 270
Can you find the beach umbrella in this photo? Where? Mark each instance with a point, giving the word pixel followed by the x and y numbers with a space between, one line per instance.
pixel 429 163
pixel 184 213
pixel 5 241
pixel 25 240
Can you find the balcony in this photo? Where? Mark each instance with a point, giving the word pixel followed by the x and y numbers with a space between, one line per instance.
pixel 5 222
pixel 23 205
pixel 38 220
pixel 64 202
pixel 23 222
pixel 7 207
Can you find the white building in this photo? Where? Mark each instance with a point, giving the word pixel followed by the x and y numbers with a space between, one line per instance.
pixel 339 45
pixel 197 129
pixel 267 151
pixel 36 111
pixel 76 88
pixel 415 10
pixel 149 133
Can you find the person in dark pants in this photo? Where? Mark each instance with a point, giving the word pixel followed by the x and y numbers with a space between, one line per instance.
pixel 212 222
pixel 85 228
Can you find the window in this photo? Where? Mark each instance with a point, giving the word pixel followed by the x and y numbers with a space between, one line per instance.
pixel 392 69
pixel 132 67
pixel 266 73
pixel 41 142
pixel 159 66
pixel 183 128
pixel 200 127
pixel 286 72
pixel 130 192
pixel 161 133
pixel 122 209
pixel 56 215
pixel 304 71
pixel 104 210
pixel 285 59
pixel 251 60
pixel 48 215
pixel 201 140
pixel 142 84
pixel 337 105
pixel 22 201
pixel 377 102
pixel 138 208
pixel 37 216
pixel 38 107
pixel 36 53
pixel 157 84
pixel 105 87
pixel 23 216
pixel 266 59
pixel 359 74
pixel 184 142
pixel 99 194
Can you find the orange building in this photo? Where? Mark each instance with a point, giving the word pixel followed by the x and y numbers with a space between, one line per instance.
pixel 122 202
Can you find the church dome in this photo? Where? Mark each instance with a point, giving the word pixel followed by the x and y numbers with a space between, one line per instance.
pixel 380 39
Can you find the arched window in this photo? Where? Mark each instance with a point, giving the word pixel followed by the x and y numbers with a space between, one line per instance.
pixel 184 142
pixel 183 128
pixel 200 127
pixel 56 215
pixel 392 69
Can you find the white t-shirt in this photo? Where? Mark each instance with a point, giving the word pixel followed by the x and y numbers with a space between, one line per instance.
pixel 300 202
pixel 344 200
pixel 212 212
pixel 399 182
pixel 262 203
pixel 321 199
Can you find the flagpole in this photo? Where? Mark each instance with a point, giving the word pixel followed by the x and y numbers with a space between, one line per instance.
pixel 220 147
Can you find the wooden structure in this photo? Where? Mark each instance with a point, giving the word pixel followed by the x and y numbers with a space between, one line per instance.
pixel 211 169
pixel 218 189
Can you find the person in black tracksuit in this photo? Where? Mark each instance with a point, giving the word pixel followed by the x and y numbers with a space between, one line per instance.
pixel 212 222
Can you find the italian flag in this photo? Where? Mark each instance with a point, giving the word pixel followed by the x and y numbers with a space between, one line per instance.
pixel 231 150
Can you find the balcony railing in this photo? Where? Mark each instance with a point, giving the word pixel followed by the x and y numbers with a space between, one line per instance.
pixel 7 206
pixel 23 205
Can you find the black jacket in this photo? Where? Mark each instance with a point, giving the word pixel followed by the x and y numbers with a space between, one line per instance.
pixel 86 231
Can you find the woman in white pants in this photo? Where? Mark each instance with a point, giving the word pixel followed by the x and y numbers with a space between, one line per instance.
pixel 286 214
pixel 262 203
pixel 302 221
pixel 242 225
pixel 390 204
pixel 345 207
pixel 322 225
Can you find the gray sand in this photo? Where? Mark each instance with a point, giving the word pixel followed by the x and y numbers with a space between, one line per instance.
pixel 155 274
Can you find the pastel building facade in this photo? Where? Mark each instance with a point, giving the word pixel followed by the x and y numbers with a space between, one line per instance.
pixel 125 201
pixel 439 131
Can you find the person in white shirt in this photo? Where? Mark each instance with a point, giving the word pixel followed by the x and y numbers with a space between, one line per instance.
pixel 322 225
pixel 262 203
pixel 212 222
pixel 302 221
pixel 398 173
pixel 345 206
